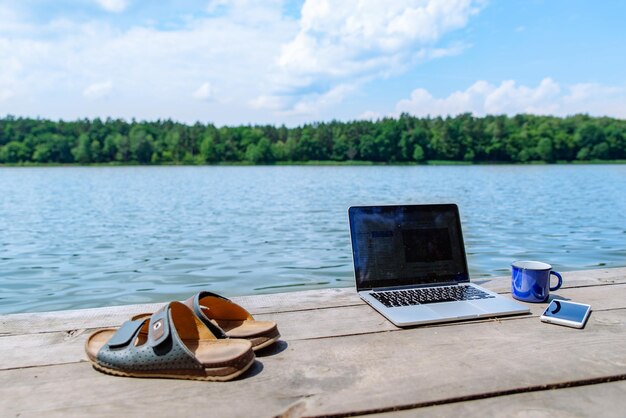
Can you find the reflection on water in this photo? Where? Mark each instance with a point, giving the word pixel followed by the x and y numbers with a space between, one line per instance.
pixel 85 237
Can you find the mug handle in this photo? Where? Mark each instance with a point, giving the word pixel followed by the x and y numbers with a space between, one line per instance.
pixel 558 286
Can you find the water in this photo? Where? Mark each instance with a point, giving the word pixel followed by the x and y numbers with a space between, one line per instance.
pixel 77 237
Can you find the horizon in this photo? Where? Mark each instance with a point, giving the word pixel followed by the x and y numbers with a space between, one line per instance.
pixel 292 63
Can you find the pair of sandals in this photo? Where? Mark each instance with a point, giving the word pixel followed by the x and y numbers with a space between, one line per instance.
pixel 206 337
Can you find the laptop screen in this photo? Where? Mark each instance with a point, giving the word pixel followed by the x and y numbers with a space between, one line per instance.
pixel 407 245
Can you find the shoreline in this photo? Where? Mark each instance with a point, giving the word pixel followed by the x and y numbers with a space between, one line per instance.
pixel 322 164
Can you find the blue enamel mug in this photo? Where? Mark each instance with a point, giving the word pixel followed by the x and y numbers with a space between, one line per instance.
pixel 530 281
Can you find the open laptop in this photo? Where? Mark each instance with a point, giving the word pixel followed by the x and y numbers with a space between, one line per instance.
pixel 410 265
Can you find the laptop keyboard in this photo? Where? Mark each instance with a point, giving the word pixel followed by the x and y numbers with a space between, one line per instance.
pixel 420 296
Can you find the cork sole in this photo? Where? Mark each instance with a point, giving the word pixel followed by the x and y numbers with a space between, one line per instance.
pixel 221 363
pixel 262 342
pixel 260 333
pixel 210 374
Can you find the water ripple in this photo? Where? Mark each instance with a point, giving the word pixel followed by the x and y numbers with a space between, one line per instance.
pixel 85 237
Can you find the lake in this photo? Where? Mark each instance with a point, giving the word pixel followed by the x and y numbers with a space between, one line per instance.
pixel 78 237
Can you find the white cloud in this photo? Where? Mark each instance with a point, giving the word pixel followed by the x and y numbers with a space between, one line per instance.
pixel 341 43
pixel 248 12
pixel 370 115
pixel 10 19
pixel 11 67
pixel 311 104
pixel 511 98
pixel 5 93
pixel 98 90
pixel 548 97
pixel 425 54
pixel 267 102
pixel 11 70
pixel 204 92
pixel 215 5
pixel 597 99
pixel 346 38
pixel 113 6
pixel 155 71
pixel 265 65
pixel 273 67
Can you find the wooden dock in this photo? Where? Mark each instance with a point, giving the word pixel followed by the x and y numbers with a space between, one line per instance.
pixel 338 357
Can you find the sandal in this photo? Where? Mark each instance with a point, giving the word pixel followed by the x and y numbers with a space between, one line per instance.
pixel 226 319
pixel 173 343
pixel 232 320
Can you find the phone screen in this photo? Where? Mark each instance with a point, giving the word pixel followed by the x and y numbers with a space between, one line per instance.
pixel 566 310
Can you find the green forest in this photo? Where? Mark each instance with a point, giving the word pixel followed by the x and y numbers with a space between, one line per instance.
pixel 407 139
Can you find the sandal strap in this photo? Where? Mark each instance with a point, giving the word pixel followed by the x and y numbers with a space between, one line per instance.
pixel 127 333
pixel 236 310
pixel 159 327
pixel 164 349
pixel 194 304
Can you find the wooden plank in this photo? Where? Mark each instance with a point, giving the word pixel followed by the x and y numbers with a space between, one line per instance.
pixel 77 390
pixel 607 400
pixel 356 373
pixel 578 278
pixel 606 275
pixel 424 366
pixel 64 347
pixel 29 323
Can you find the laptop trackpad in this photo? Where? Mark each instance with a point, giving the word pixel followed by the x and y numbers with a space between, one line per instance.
pixel 455 309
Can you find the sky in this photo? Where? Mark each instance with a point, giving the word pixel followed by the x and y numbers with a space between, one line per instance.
pixel 239 62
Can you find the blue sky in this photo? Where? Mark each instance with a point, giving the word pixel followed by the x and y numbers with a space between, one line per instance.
pixel 233 62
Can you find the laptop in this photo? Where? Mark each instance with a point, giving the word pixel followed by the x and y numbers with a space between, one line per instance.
pixel 410 265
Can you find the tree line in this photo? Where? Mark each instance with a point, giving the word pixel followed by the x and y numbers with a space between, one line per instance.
pixel 497 138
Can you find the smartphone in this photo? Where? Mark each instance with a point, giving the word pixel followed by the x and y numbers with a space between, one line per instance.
pixel 563 312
